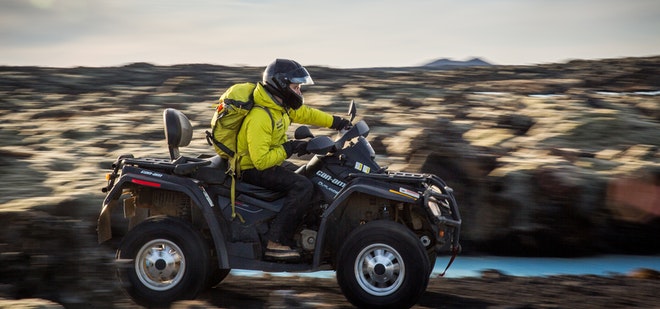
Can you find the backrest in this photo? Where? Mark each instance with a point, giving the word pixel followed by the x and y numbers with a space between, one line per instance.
pixel 178 131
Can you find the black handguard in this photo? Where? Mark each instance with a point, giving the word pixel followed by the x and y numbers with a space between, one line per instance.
pixel 339 123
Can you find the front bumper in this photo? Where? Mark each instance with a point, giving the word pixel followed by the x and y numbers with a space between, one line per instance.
pixel 437 199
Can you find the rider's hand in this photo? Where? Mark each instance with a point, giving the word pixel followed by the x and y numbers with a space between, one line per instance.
pixel 339 123
pixel 297 147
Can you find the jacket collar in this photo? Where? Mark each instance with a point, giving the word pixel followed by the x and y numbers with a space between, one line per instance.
pixel 265 99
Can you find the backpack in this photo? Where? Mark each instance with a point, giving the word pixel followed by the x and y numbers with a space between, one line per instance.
pixel 228 117
pixel 227 120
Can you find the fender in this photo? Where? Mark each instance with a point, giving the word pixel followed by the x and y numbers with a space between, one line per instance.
pixel 359 185
pixel 183 185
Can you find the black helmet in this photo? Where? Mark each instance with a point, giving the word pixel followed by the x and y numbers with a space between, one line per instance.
pixel 279 74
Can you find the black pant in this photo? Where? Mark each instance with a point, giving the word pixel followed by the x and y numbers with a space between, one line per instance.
pixel 298 190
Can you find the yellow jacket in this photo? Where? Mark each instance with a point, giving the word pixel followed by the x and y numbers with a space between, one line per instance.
pixel 259 142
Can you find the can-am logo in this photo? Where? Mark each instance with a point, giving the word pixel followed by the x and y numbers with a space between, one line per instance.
pixel 150 173
pixel 329 178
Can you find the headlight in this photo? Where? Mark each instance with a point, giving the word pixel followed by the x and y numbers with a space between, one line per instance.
pixel 439 208
pixel 433 205
pixel 435 189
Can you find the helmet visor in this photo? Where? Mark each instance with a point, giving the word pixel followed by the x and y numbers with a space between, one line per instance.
pixel 300 76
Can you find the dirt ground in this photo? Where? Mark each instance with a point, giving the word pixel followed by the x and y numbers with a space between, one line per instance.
pixel 491 290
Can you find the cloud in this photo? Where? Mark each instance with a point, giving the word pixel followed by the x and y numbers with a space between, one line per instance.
pixel 337 33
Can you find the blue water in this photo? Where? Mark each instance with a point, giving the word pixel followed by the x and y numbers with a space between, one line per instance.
pixel 471 266
pixel 517 266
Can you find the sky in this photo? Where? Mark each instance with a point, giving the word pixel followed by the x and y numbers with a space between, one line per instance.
pixel 334 33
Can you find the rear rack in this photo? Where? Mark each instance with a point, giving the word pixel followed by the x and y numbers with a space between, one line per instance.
pixel 182 166
pixel 151 163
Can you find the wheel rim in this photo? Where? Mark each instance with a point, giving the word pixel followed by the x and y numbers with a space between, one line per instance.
pixel 160 264
pixel 379 270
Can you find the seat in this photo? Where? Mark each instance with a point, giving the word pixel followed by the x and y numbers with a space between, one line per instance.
pixel 258 192
pixel 178 133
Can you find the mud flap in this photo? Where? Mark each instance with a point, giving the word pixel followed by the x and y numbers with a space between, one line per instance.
pixel 454 252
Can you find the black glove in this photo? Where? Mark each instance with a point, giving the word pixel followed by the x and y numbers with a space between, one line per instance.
pixel 339 123
pixel 297 147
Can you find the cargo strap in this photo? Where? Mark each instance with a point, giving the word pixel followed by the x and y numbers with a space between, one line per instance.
pixel 234 170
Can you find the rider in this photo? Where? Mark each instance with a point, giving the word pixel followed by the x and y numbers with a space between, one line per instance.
pixel 266 144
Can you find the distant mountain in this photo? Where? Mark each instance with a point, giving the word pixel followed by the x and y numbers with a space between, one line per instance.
pixel 448 63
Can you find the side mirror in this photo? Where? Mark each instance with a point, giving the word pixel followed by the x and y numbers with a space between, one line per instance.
pixel 352 110
pixel 321 145
pixel 302 132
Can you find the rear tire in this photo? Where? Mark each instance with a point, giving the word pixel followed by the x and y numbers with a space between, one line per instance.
pixel 166 260
pixel 382 264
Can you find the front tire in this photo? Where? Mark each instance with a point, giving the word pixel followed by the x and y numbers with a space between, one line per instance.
pixel 217 275
pixel 382 264
pixel 167 260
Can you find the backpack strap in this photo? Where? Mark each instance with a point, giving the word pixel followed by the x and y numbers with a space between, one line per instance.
pixel 234 169
pixel 235 160
pixel 212 141
pixel 272 121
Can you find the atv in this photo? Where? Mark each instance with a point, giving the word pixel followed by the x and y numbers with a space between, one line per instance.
pixel 187 223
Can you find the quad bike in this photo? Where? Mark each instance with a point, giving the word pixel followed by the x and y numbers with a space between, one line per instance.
pixel 380 231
